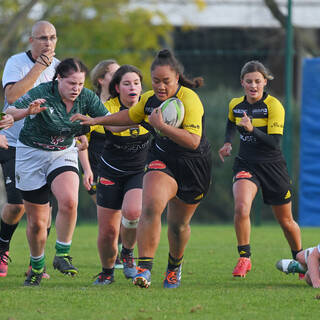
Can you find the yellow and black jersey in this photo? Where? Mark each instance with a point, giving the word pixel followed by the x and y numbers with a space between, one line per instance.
pixel 96 138
pixel 125 151
pixel 193 121
pixel 267 117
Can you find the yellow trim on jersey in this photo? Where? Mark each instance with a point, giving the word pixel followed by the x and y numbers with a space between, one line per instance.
pixel 276 115
pixel 232 104
pixel 193 108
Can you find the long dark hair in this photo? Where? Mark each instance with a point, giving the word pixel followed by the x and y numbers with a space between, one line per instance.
pixel 117 77
pixel 66 66
pixel 166 58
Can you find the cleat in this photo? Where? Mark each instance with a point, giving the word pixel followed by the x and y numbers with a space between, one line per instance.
pixel 290 266
pixel 44 274
pixel 4 258
pixel 118 264
pixel 129 266
pixel 242 268
pixel 64 265
pixel 142 278
pixel 34 278
pixel 173 278
pixel 104 279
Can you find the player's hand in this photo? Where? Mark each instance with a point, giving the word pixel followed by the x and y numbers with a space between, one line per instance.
pixel 87 179
pixel 82 143
pixel 7 121
pixel 3 142
pixel 225 151
pixel 246 123
pixel 156 120
pixel 35 106
pixel 83 119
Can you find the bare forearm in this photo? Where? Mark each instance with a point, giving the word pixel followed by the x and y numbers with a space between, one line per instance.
pixel 181 136
pixel 18 89
pixel 17 114
pixel 84 160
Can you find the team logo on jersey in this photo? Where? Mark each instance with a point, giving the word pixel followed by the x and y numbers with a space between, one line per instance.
pixel 243 175
pixel 105 181
pixel 51 110
pixel 157 164
pixel 134 132
pixel 288 195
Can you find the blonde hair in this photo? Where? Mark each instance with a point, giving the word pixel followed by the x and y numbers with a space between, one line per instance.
pixel 99 71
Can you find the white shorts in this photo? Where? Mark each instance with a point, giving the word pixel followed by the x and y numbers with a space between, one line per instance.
pixel 34 165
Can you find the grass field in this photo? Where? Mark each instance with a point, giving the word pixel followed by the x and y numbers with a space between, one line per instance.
pixel 208 290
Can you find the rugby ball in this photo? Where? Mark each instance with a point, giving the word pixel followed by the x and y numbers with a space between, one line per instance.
pixel 172 111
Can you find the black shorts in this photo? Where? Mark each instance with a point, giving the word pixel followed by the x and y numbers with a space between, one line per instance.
pixel 8 164
pixel 112 188
pixel 192 173
pixel 272 177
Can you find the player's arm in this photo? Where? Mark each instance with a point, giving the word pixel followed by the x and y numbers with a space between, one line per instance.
pixel 87 178
pixel 225 150
pixel 120 118
pixel 180 136
pixel 33 108
pixel 16 90
pixel 313 268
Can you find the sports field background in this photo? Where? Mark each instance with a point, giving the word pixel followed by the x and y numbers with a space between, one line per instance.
pixel 208 290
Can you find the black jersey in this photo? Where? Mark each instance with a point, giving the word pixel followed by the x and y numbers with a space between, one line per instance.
pixel 125 151
pixel 193 121
pixel 267 115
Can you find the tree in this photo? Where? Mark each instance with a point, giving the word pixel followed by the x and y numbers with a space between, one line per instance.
pixel 91 30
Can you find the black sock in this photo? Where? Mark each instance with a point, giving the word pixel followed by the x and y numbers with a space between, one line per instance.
pixel 6 232
pixel 174 263
pixel 294 253
pixel 145 263
pixel 107 271
pixel 244 251
pixel 126 252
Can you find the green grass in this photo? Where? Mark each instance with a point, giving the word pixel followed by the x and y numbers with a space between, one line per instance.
pixel 208 290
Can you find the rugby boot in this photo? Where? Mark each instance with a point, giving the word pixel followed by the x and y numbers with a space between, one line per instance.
pixel 64 265
pixel 242 268
pixel 173 278
pixel 142 278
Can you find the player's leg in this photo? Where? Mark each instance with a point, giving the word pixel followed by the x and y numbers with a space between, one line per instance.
pixel 178 219
pixel 12 211
pixel 65 186
pixel 108 233
pixel 36 204
pixel 158 189
pixel 290 228
pixel 244 191
pixel 131 211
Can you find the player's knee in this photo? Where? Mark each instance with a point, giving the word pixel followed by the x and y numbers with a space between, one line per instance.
pixel 67 205
pixel 179 228
pixel 129 223
pixel 16 209
pixel 242 209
